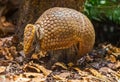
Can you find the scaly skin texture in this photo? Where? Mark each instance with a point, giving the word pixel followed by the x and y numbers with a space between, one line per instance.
pixel 60 28
pixel 29 34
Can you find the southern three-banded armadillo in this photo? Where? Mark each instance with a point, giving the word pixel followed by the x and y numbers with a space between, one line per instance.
pixel 60 28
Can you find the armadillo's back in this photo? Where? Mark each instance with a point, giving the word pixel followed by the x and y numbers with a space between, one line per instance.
pixel 64 27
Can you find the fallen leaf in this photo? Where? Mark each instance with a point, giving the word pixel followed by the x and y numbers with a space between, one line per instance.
pixel 110 58
pixel 95 72
pixel 108 70
pixel 77 81
pixel 98 74
pixel 7 54
pixel 37 67
pixel 57 77
pixel 117 64
pixel 64 74
pixel 31 68
pixel 2 69
pixel 33 75
pixel 77 69
pixel 62 65
pixel 116 54
pixel 70 64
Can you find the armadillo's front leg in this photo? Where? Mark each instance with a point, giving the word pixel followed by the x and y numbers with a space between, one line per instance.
pixel 39 32
pixel 39 52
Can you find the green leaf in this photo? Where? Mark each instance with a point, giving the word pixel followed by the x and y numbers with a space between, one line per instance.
pixel 103 10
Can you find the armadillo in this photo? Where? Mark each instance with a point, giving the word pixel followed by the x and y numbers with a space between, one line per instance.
pixel 60 28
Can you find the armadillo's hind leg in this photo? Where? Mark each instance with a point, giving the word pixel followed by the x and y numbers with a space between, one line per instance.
pixel 78 54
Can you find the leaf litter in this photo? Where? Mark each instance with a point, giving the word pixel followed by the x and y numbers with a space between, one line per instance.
pixel 100 65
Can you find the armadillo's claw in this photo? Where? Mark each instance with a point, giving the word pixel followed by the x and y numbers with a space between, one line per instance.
pixel 39 54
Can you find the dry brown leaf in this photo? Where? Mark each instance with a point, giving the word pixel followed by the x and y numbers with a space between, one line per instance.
pixel 97 78
pixel 116 54
pixel 97 74
pixel 37 67
pixel 45 71
pixel 28 77
pixel 78 70
pixel 4 62
pixel 6 38
pixel 29 74
pixel 13 51
pixel 32 77
pixel 84 79
pixel 117 64
pixel 82 73
pixel 112 50
pixel 57 77
pixel 2 69
pixel 31 68
pixel 70 64
pixel 22 79
pixel 77 81
pixel 38 80
pixel 7 54
pixel 105 70
pixel 108 70
pixel 110 58
pixel 62 65
pixel 35 77
pixel 116 75
pixel 64 74
pixel 115 49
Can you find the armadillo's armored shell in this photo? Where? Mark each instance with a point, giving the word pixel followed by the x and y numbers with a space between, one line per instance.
pixel 64 27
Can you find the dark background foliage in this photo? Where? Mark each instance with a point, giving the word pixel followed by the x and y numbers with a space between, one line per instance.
pixel 105 15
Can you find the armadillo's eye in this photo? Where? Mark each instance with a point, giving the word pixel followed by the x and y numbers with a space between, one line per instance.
pixel 29 34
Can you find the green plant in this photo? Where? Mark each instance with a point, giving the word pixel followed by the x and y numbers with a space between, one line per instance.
pixel 103 10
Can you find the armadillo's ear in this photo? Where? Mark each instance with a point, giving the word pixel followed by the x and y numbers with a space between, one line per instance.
pixel 29 34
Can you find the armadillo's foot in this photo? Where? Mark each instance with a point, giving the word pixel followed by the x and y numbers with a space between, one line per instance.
pixel 42 54
pixel 39 54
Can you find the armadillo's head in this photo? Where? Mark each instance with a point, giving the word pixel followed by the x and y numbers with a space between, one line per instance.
pixel 29 36
pixel 32 35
